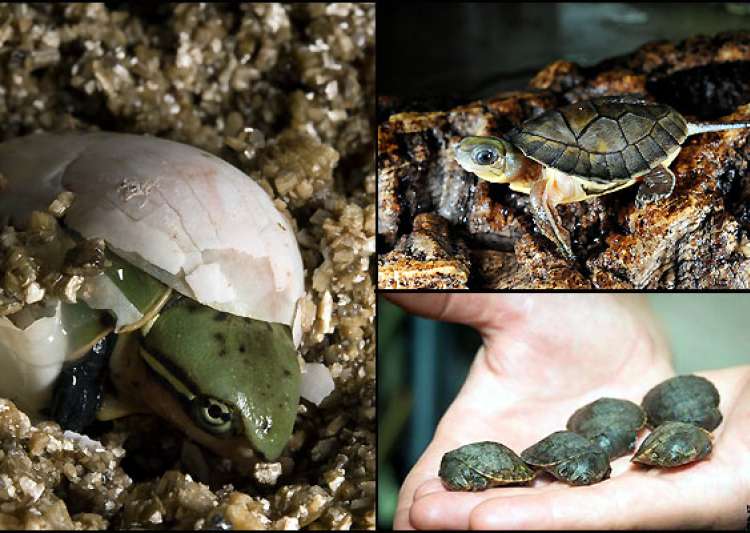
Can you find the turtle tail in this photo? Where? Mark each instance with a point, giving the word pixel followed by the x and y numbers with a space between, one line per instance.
pixel 703 127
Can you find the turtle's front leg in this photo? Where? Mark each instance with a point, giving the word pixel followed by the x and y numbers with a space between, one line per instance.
pixel 546 193
pixel 77 394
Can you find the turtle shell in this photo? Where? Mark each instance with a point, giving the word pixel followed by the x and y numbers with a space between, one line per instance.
pixel 481 465
pixel 610 423
pixel 691 399
pixel 569 457
pixel 674 444
pixel 604 139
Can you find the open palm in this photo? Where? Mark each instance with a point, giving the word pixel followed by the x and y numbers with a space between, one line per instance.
pixel 544 356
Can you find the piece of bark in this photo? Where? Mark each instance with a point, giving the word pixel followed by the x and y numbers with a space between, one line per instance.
pixel 427 258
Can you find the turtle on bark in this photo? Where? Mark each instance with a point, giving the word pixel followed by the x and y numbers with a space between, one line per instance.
pixel 582 150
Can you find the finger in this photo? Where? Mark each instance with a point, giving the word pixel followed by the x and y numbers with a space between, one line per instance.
pixel 401 519
pixel 441 509
pixel 481 311
pixel 419 475
pixel 437 508
pixel 655 499
pixel 428 487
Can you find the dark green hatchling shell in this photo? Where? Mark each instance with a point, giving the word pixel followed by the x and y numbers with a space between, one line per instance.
pixel 603 140
pixel 482 465
pixel 569 457
pixel 689 398
pixel 610 423
pixel 674 444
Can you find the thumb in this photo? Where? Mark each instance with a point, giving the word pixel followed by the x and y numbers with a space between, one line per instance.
pixel 484 312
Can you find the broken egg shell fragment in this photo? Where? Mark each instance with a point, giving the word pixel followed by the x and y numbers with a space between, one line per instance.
pixel 317 382
pixel 28 379
pixel 213 233
pixel 33 354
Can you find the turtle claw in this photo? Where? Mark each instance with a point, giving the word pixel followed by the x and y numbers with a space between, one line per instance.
pixel 548 221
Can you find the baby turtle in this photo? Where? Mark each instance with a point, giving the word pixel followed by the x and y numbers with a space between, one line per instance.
pixel 583 150
pixel 482 465
pixel 610 423
pixel 569 457
pixel 691 399
pixel 674 444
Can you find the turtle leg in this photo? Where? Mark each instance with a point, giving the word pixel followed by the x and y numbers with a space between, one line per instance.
pixel 656 185
pixel 77 393
pixel 545 196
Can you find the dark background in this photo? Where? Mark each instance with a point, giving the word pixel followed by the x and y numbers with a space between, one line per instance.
pixel 468 50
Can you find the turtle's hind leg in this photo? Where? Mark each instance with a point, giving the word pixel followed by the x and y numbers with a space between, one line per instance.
pixel 546 193
pixel 656 185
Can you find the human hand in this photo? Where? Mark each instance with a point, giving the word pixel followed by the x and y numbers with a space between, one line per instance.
pixel 544 356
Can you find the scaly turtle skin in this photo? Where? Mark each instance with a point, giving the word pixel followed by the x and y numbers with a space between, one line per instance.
pixel 610 423
pixel 674 444
pixel 569 457
pixel 583 150
pixel 691 399
pixel 482 465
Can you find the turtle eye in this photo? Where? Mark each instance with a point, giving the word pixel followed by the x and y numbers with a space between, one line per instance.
pixel 484 155
pixel 212 415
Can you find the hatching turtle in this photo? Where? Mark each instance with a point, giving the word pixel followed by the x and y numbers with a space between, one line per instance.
pixel 169 259
pixel 569 457
pixel 583 150
pixel 482 465
pixel 674 444
pixel 610 423
pixel 692 399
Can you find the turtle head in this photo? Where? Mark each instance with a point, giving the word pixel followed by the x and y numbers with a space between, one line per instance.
pixel 490 158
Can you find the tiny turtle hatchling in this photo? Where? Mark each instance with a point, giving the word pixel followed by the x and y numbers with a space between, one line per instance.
pixel 610 423
pixel 569 457
pixel 482 465
pixel 674 444
pixel 691 399
pixel 583 150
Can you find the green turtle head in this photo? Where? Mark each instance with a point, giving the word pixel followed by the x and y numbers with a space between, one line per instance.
pixel 234 375
pixel 487 157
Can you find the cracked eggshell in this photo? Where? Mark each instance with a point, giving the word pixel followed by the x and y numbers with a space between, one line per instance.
pixel 184 216
pixel 32 358
pixel 317 383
